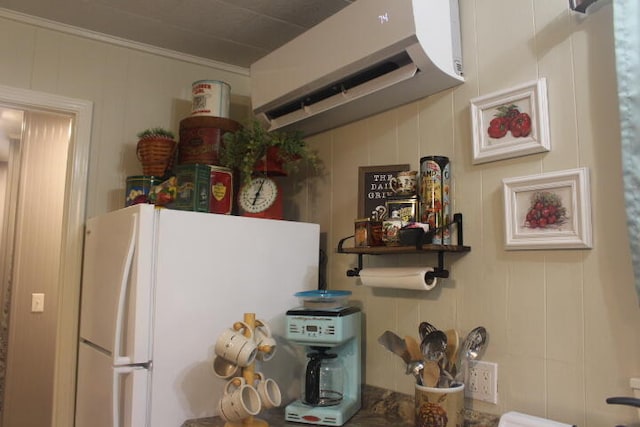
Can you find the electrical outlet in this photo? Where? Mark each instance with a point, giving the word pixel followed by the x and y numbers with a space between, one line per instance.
pixel 482 381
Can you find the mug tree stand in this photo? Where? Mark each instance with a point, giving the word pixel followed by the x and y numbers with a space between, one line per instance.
pixel 248 373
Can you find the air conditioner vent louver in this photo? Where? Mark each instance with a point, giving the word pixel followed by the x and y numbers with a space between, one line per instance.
pixel 342 86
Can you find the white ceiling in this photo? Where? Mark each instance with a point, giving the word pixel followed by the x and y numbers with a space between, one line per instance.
pixel 236 32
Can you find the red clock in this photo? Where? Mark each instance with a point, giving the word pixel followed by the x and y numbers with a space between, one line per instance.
pixel 261 198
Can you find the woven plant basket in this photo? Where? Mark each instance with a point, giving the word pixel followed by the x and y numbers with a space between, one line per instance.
pixel 156 155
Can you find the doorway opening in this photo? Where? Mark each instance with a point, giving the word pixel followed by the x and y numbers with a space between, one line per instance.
pixel 55 136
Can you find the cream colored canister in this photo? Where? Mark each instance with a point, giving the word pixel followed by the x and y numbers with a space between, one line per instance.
pixel 210 98
pixel 439 407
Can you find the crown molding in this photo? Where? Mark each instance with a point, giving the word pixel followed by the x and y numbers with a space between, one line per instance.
pixel 117 41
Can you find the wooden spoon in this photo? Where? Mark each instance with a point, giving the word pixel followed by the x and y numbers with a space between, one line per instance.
pixel 413 348
pixel 453 341
pixel 430 373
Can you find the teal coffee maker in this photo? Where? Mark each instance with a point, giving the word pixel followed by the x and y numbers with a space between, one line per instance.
pixel 331 381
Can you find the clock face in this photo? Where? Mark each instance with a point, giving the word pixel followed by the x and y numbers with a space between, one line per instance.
pixel 258 195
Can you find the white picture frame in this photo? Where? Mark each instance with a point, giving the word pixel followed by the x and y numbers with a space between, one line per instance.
pixel 528 99
pixel 548 211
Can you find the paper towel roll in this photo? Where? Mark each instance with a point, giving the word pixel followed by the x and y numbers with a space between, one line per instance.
pixel 398 278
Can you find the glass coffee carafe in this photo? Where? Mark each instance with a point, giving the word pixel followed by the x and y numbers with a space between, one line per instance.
pixel 324 379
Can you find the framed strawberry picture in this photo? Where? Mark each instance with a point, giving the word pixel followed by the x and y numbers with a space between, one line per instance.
pixel 511 123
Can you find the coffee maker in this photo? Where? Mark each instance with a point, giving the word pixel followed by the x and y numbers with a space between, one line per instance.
pixel 332 378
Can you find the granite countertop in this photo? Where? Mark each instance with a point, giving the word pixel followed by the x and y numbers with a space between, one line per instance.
pixel 380 408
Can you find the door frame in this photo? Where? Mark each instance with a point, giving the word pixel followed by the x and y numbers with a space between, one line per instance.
pixel 72 238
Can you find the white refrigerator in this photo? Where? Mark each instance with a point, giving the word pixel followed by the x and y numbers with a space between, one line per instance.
pixel 159 286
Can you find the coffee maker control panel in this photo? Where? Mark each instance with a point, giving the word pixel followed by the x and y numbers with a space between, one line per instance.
pixel 314 327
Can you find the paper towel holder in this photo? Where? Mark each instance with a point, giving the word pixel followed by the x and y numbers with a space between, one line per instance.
pixel 438 271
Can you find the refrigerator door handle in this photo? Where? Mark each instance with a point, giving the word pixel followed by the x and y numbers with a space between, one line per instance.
pixel 119 358
pixel 130 402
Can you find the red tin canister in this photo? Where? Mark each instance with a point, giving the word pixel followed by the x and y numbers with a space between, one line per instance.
pixel 435 200
pixel 200 138
pixel 221 197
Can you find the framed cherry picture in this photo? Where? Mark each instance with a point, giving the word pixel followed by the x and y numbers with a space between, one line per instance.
pixel 511 123
pixel 548 211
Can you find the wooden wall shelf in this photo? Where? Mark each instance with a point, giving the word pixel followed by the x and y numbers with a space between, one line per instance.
pixel 388 250
pixel 418 248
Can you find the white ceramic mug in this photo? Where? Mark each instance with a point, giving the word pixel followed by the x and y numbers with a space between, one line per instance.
pixel 240 400
pixel 236 345
pixel 268 389
pixel 404 183
pixel 265 341
pixel 223 368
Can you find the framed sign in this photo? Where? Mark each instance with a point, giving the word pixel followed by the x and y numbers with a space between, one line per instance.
pixel 407 209
pixel 374 189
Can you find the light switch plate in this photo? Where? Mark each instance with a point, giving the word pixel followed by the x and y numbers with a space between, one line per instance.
pixel 37 303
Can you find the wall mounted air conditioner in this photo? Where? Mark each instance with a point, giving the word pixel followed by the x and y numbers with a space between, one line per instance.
pixel 371 56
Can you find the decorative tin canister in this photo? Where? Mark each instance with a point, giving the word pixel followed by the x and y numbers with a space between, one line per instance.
pixel 200 139
pixel 138 189
pixel 368 232
pixel 221 197
pixel 435 192
pixel 210 98
pixel 193 188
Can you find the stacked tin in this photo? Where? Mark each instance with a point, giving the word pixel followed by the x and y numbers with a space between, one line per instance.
pixel 197 182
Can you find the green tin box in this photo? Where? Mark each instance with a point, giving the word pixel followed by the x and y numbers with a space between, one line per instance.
pixel 138 189
pixel 193 192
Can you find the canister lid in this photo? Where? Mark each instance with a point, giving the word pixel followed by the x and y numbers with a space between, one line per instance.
pixel 323 299
pixel 322 294
pixel 222 123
